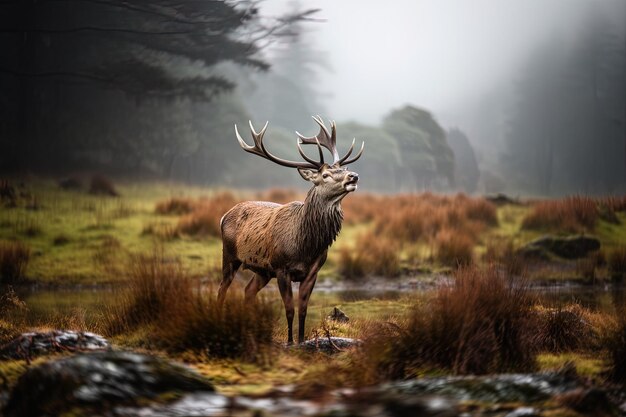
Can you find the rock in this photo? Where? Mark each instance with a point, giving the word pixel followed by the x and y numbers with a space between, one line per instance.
pixel 330 344
pixel 29 345
pixel 338 315
pixel 503 388
pixel 71 183
pixel 587 401
pixel 569 247
pixel 94 382
pixel 523 412
pixel 501 199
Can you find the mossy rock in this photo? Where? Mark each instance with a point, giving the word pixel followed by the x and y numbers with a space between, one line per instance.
pixel 568 247
pixel 91 383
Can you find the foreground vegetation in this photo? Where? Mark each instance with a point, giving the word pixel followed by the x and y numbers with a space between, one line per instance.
pixel 162 243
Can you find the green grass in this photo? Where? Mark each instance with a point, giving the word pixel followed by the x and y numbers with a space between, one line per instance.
pixel 77 238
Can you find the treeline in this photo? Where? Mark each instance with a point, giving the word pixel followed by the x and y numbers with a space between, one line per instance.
pixel 567 131
pixel 155 89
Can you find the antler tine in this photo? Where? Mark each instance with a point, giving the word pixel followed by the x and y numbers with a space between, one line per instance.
pixel 347 153
pixel 313 161
pixel 357 156
pixel 326 139
pixel 260 150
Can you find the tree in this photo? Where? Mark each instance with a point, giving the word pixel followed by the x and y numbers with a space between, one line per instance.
pixel 108 53
pixel 466 170
pixel 423 147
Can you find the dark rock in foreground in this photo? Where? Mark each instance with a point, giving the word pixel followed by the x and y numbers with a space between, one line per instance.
pixel 29 345
pixel 329 344
pixel 91 382
pixel 568 247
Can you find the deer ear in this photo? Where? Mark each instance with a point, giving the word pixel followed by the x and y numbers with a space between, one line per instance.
pixel 308 174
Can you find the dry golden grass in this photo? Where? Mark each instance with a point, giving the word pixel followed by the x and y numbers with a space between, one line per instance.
pixel 563 329
pixel 478 324
pixel 575 214
pixel 454 248
pixel 449 224
pixel 204 219
pixel 371 255
pixel 179 315
pixel 14 257
pixel 176 206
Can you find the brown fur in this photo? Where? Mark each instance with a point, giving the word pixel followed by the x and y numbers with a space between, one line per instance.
pixel 288 241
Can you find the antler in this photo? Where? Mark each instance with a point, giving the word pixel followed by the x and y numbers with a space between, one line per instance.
pixel 259 149
pixel 329 141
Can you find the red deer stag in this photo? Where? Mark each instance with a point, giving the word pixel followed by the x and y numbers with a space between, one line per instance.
pixel 288 241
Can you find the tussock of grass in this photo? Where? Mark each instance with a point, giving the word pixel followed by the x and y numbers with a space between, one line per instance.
pixel 175 313
pixel 450 224
pixel 371 255
pixel 617 262
pixel 454 249
pixel 477 325
pixel 574 214
pixel 101 185
pixel 175 206
pixel 204 220
pixel 563 329
pixel 615 342
pixel 14 257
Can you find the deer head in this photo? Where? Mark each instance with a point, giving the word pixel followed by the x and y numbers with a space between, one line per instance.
pixel 332 180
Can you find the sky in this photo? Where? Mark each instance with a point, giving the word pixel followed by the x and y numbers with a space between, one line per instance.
pixel 443 55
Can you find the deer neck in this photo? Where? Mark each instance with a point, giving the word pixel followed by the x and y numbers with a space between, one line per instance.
pixel 320 222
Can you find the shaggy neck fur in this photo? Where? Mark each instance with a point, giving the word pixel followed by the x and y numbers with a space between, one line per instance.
pixel 320 222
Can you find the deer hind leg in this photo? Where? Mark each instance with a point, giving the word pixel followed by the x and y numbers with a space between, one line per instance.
pixel 229 268
pixel 256 284
pixel 284 286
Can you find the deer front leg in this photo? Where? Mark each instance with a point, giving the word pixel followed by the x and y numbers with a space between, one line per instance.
pixel 306 288
pixel 304 293
pixel 284 285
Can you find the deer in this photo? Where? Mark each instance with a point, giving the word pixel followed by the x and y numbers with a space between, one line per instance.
pixel 290 241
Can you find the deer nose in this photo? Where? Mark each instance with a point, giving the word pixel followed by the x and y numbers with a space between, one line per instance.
pixel 353 176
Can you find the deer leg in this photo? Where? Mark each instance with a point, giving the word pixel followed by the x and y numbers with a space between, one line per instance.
pixel 284 285
pixel 304 293
pixel 229 268
pixel 256 284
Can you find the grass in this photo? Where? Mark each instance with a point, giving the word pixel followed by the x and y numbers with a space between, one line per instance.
pixel 175 313
pixel 476 325
pixel 14 257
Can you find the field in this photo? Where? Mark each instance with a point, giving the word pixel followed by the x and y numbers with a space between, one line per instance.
pixel 142 268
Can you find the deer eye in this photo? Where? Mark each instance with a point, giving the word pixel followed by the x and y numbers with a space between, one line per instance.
pixel 325 175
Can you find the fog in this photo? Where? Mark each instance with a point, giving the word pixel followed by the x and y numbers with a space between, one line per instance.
pixel 516 96
pixel 443 55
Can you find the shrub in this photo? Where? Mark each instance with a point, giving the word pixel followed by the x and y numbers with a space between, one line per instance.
pixel 372 255
pixel 205 218
pixel 454 248
pixel 617 262
pixel 615 342
pixel 478 324
pixel 563 329
pixel 180 315
pixel 14 257
pixel 572 214
pixel 102 186
pixel 175 205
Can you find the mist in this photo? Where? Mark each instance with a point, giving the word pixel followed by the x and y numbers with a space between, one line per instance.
pixel 523 97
